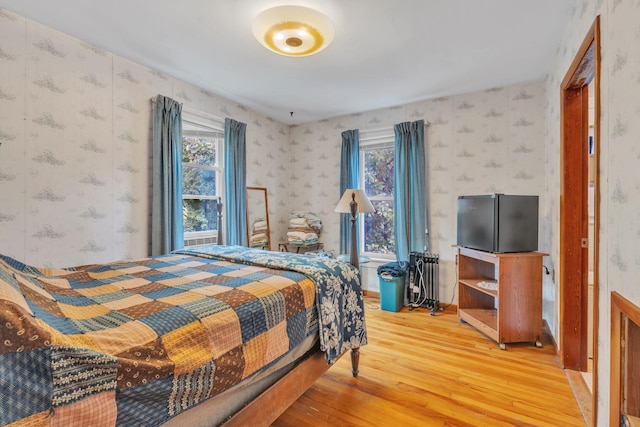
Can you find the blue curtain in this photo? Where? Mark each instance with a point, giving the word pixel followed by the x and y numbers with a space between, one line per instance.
pixel 235 175
pixel 349 178
pixel 166 211
pixel 409 189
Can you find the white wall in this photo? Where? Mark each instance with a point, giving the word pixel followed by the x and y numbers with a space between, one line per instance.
pixel 76 144
pixel 619 258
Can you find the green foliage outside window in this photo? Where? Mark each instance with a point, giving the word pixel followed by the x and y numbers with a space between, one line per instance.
pixel 198 179
pixel 378 184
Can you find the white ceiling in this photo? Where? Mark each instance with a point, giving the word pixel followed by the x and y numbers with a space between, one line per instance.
pixel 385 52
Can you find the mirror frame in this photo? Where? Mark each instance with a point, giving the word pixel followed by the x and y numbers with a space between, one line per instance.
pixel 266 209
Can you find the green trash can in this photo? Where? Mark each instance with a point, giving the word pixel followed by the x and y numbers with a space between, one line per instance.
pixel 391 292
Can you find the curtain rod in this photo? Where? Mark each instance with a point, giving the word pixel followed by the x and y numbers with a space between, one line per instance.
pixel 426 123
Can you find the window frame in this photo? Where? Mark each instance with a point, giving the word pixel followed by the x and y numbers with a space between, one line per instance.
pixel 370 140
pixel 208 126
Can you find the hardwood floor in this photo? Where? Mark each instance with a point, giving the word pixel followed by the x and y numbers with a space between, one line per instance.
pixel 422 370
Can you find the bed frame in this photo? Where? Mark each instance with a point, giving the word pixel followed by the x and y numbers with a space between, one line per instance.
pixel 268 406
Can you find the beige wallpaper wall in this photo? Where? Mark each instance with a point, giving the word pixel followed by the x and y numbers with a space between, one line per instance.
pixel 619 267
pixel 477 143
pixel 74 153
pixel 75 147
pixel 74 159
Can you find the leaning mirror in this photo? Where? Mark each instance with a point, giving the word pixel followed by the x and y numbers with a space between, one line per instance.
pixel 258 231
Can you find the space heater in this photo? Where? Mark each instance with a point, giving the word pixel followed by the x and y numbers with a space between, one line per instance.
pixel 423 278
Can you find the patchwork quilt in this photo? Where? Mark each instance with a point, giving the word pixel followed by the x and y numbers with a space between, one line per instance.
pixel 134 343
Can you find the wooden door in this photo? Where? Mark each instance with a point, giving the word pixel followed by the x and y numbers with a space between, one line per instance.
pixel 574 213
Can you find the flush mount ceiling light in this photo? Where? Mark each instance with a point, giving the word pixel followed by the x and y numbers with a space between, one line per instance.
pixel 293 30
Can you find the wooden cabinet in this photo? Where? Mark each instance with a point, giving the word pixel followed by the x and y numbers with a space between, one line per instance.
pixel 500 294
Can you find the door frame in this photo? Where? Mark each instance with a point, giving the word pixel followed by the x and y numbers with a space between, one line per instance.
pixel 574 215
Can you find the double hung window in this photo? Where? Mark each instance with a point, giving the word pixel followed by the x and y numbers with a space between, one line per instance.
pixel 377 174
pixel 202 176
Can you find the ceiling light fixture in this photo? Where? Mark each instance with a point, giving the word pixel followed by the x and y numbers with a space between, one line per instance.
pixel 293 30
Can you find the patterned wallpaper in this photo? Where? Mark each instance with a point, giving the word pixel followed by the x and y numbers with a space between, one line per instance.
pixel 619 266
pixel 75 147
pixel 74 153
pixel 477 143
pixel 75 156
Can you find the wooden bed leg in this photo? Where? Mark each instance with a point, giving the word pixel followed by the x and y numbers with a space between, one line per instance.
pixel 355 361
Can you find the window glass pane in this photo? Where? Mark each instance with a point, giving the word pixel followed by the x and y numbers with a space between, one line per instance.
pixel 200 215
pixel 197 181
pixel 199 150
pixel 378 228
pixel 378 172
pixel 202 174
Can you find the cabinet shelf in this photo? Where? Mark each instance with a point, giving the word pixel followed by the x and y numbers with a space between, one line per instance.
pixel 483 319
pixel 512 312
pixel 473 283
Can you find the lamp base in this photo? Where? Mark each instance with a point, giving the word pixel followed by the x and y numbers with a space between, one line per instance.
pixel 354 245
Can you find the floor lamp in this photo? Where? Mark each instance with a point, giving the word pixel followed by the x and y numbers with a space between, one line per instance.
pixel 354 201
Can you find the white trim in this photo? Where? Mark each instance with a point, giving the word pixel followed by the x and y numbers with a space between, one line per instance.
pixel 379 257
pixel 375 140
pixel 374 137
pixel 381 198
pixel 202 167
pixel 200 133
pixel 202 119
pixel 199 197
pixel 378 145
pixel 212 126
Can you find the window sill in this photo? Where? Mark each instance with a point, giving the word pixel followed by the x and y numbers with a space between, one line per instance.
pixel 378 258
pixel 374 263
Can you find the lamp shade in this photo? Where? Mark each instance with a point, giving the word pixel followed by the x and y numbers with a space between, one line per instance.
pixel 293 30
pixel 364 205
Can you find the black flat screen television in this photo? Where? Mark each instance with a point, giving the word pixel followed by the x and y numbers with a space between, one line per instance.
pixel 498 223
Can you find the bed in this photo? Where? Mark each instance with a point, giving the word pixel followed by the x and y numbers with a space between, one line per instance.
pixel 213 335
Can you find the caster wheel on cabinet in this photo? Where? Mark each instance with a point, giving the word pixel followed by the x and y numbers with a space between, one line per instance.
pixel 538 343
pixel 502 346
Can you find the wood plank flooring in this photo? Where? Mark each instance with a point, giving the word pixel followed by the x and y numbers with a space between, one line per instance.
pixel 422 370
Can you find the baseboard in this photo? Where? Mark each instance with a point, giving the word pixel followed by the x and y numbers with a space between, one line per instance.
pixel 452 308
pixel 448 308
pixel 581 393
pixel 547 331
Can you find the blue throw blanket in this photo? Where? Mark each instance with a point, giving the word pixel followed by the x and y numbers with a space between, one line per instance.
pixel 338 291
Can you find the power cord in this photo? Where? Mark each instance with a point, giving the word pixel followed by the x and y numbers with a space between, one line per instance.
pixel 421 286
pixel 455 285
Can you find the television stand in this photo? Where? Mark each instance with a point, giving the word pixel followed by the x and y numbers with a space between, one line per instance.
pixel 500 294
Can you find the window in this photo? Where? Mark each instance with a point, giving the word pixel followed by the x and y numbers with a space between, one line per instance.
pixel 377 169
pixel 202 176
